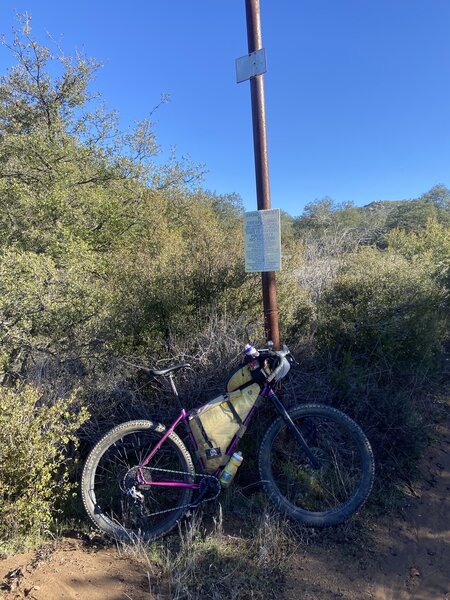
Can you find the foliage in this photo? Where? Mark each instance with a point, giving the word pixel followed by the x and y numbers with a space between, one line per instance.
pixel 34 433
pixel 210 564
pixel 439 195
pixel 345 224
pixel 381 310
pixel 411 216
pixel 108 251
pixel 324 219
pixel 430 247
pixel 381 324
pixel 105 251
pixel 47 310
pixel 431 244
pixel 378 279
pixel 102 249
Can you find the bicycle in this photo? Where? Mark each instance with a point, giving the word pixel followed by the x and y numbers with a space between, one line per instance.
pixel 315 463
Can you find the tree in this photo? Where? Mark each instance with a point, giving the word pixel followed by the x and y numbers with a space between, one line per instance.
pixel 411 215
pixel 59 146
pixel 78 197
pixel 439 195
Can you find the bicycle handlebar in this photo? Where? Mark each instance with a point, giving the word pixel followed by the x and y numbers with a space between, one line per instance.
pixel 282 358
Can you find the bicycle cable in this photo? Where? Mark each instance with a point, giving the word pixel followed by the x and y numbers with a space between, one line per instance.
pixel 137 496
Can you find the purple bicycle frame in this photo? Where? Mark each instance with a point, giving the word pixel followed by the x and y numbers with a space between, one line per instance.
pixel 266 392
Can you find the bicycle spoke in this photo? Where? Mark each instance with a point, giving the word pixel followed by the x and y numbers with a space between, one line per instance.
pixel 317 496
pixel 327 487
pixel 116 496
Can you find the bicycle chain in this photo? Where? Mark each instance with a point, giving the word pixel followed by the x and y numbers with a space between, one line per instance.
pixel 190 505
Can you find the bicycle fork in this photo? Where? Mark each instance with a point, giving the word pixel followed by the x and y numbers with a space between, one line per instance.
pixel 315 462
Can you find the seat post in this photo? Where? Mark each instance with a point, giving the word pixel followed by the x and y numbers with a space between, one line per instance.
pixel 174 388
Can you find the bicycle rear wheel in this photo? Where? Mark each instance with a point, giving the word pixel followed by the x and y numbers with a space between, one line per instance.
pixel 317 497
pixel 113 498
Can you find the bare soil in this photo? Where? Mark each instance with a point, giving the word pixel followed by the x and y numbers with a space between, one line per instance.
pixel 74 570
pixel 402 558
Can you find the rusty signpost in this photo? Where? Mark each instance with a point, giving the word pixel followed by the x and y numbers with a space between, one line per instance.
pixel 256 69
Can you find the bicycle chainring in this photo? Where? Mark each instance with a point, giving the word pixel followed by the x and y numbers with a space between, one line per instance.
pixel 209 486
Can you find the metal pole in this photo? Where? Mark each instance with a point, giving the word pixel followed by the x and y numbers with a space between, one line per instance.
pixel 254 38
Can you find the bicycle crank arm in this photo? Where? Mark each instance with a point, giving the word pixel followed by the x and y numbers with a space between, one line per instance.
pixel 199 499
pixel 315 462
pixel 209 485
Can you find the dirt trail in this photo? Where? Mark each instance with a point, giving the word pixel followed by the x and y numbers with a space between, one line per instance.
pixel 405 559
pixel 417 561
pixel 74 571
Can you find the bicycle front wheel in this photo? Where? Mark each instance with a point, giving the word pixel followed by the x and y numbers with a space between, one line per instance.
pixel 112 495
pixel 330 494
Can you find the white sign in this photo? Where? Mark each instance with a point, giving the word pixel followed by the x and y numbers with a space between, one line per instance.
pixel 262 233
pixel 251 65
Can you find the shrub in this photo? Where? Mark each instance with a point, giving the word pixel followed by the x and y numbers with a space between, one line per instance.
pixel 381 311
pixel 33 472
pixel 380 330
pixel 431 246
pixel 46 309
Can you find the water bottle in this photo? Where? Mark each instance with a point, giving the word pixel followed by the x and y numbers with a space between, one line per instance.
pixel 251 355
pixel 252 362
pixel 230 470
pixel 250 351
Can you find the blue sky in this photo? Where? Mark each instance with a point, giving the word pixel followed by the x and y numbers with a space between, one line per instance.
pixel 357 91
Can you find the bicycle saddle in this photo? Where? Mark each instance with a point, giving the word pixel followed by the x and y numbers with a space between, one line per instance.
pixel 169 369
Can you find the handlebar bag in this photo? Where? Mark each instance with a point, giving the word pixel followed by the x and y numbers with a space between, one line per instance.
pixel 239 378
pixel 243 375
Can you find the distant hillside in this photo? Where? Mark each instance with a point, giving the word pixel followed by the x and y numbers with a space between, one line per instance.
pixel 371 222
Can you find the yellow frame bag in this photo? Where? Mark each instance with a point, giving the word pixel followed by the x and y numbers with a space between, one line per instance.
pixel 215 424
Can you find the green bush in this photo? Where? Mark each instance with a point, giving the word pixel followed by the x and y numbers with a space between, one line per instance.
pixel 47 309
pixel 431 247
pixel 33 473
pixel 382 311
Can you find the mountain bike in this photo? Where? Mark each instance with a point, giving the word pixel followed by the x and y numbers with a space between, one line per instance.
pixel 315 463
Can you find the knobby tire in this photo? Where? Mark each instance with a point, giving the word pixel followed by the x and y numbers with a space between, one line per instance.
pixel 109 473
pixel 317 497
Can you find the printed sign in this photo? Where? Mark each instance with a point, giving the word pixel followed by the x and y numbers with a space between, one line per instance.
pixel 262 233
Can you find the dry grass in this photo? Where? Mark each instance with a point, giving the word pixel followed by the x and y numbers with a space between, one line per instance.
pixel 210 563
